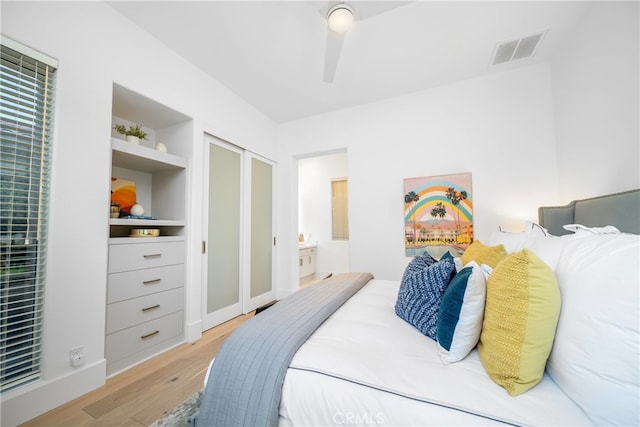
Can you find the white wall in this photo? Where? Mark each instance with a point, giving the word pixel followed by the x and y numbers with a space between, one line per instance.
pixel 314 191
pixel 499 128
pixel 532 137
pixel 96 46
pixel 596 101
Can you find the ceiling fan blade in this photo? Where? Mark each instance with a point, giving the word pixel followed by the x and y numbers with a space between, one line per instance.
pixel 332 54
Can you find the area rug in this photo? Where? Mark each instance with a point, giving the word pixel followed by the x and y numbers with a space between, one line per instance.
pixel 181 415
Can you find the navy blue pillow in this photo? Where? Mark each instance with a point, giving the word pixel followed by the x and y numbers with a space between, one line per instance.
pixel 451 305
pixel 461 313
pixel 420 295
pixel 418 263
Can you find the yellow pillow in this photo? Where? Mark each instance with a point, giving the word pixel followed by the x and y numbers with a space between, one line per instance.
pixel 520 319
pixel 483 254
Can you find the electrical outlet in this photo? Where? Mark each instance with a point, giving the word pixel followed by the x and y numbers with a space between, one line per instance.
pixel 76 356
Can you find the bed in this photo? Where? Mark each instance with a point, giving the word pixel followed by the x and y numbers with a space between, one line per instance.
pixel 338 353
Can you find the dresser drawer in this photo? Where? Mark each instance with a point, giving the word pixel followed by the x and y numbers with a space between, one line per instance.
pixel 138 338
pixel 132 284
pixel 123 314
pixel 135 256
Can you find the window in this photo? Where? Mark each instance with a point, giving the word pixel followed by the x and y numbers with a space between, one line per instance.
pixel 26 108
pixel 339 210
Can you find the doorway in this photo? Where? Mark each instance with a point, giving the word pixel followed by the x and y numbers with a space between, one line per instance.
pixel 315 224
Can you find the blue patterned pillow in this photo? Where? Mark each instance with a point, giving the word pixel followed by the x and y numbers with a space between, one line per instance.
pixel 420 294
pixel 418 263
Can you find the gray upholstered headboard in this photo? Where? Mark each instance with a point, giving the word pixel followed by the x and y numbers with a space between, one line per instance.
pixel 622 210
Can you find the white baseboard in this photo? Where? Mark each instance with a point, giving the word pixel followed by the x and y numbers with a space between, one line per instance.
pixel 35 399
pixel 193 331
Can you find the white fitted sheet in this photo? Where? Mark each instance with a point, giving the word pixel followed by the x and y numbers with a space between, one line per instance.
pixel 366 366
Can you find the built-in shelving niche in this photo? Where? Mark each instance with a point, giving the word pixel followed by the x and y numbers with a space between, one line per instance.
pixel 161 178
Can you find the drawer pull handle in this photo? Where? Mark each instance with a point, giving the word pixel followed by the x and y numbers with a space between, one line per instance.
pixel 151 282
pixel 144 337
pixel 152 255
pixel 151 308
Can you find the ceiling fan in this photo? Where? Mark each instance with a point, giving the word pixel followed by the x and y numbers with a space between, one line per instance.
pixel 340 18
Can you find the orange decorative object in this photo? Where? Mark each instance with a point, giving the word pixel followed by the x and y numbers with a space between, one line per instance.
pixel 123 192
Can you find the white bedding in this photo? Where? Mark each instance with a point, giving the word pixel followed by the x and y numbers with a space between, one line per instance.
pixel 366 366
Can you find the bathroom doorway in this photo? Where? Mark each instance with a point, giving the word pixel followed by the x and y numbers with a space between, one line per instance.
pixel 316 175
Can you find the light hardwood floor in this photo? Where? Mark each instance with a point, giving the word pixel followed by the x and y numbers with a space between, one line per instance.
pixel 144 393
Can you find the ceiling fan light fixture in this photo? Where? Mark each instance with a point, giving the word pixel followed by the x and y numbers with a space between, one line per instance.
pixel 340 18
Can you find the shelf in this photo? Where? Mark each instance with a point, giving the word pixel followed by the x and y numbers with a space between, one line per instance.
pixel 128 240
pixel 121 228
pixel 140 109
pixel 145 159
pixel 149 223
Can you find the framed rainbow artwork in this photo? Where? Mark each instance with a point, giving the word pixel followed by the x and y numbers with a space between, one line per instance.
pixel 438 215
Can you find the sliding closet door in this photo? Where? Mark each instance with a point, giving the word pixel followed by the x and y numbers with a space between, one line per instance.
pixel 238 228
pixel 260 185
pixel 223 228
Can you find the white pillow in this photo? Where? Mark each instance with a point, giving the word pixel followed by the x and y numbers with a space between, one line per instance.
pixel 457 261
pixel 546 247
pixel 512 242
pixel 533 229
pixel 516 241
pixel 595 355
pixel 576 228
pixel 461 313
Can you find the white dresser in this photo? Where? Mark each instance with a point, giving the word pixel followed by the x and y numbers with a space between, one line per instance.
pixel 146 280
pixel 145 299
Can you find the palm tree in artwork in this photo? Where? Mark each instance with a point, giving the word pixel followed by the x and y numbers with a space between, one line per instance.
pixel 410 200
pixel 438 211
pixel 456 197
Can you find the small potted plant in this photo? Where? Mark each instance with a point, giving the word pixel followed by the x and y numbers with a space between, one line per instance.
pixel 134 133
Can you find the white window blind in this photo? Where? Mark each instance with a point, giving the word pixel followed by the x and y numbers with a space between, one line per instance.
pixel 339 209
pixel 26 115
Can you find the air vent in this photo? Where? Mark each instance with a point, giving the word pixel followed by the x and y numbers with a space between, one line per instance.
pixel 512 50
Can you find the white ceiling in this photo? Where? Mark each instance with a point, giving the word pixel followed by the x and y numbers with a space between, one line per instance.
pixel 271 53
